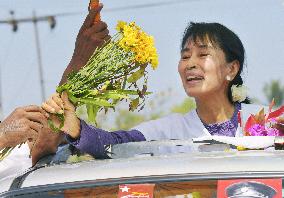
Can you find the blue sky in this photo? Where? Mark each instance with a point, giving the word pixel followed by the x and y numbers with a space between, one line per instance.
pixel 259 24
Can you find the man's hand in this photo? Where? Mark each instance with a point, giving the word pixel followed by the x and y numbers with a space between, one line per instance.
pixel 21 125
pixel 46 143
pixel 91 36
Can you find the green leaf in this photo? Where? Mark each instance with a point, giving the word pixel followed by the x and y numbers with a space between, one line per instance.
pixel 114 95
pixel 92 111
pixel 131 92
pixel 93 92
pixel 53 127
pixel 72 98
pixel 61 88
pixel 136 75
pixel 5 152
pixel 71 75
pixel 134 104
pixel 144 89
pixel 95 101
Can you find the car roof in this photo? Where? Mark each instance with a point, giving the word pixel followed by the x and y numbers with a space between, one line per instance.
pixel 178 164
pixel 144 164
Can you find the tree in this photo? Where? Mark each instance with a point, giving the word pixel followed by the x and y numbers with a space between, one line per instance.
pixel 274 89
pixel 123 119
pixel 187 105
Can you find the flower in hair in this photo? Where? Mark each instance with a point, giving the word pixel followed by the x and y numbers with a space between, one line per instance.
pixel 239 93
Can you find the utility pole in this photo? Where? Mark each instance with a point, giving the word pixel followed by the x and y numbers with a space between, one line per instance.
pixel 35 20
pixel 39 60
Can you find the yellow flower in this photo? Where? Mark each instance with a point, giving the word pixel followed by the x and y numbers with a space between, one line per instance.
pixel 137 41
pixel 120 25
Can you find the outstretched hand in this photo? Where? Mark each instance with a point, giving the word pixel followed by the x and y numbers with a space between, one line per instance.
pixel 21 125
pixel 91 36
pixel 46 143
pixel 57 104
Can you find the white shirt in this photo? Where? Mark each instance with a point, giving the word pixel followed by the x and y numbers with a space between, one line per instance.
pixel 17 162
pixel 183 127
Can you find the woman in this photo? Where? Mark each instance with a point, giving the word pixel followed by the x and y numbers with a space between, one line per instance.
pixel 212 59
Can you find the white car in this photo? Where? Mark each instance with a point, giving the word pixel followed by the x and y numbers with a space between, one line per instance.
pixel 175 169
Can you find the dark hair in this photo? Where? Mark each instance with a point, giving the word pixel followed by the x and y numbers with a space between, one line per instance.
pixel 219 36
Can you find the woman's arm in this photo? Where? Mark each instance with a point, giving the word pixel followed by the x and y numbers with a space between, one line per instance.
pixel 93 140
pixel 85 137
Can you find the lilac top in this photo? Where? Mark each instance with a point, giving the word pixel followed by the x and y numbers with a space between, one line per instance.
pixel 93 140
pixel 227 128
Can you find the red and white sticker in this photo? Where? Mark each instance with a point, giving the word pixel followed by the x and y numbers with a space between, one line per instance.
pixel 136 191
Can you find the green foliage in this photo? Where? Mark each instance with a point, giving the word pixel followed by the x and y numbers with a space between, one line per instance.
pixel 126 119
pixel 187 105
pixel 274 89
pixel 136 75
pixel 123 119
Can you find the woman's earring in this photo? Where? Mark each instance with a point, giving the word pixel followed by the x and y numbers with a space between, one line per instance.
pixel 228 78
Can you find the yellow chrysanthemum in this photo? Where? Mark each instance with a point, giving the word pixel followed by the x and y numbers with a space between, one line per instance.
pixel 137 41
pixel 120 26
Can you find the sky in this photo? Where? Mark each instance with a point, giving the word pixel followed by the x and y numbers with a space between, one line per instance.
pixel 258 23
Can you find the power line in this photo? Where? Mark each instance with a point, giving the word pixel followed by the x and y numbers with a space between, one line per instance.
pixel 35 20
pixel 52 22
pixel 131 7
pixel 148 5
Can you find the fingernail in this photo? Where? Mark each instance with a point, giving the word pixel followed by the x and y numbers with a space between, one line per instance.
pixel 61 111
pixel 53 110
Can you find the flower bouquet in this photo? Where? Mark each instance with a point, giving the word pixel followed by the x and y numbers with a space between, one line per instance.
pixel 115 72
pixel 261 124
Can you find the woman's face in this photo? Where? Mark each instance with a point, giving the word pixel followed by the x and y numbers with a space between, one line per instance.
pixel 203 69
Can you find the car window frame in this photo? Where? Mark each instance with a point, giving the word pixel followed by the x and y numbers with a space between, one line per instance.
pixel 140 180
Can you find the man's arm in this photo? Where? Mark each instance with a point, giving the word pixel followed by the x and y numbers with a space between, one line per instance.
pixel 91 36
pixel 46 143
pixel 22 125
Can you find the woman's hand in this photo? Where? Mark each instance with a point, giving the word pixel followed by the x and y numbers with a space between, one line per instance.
pixel 62 105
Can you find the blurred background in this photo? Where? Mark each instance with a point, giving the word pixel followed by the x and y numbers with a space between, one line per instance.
pixel 25 49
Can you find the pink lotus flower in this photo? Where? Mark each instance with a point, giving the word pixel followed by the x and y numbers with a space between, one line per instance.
pixel 261 123
pixel 260 130
pixel 257 130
